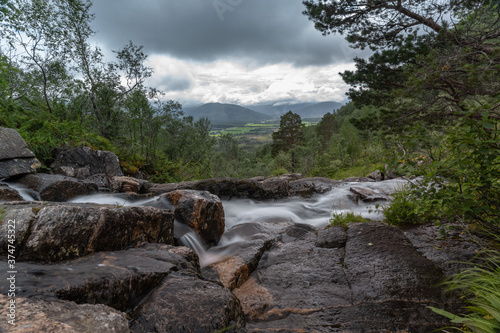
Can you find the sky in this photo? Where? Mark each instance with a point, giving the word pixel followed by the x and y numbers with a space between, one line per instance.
pixel 229 51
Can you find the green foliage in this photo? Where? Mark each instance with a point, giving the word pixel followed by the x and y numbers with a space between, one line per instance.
pixel 404 210
pixel 466 184
pixel 280 171
pixel 344 218
pixel 289 134
pixel 480 284
pixel 375 23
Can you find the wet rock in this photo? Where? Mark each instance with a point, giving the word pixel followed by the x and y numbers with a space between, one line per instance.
pixel 67 189
pixel 227 188
pixel 83 162
pixel 450 251
pixel 130 185
pixel 9 194
pixel 53 232
pixel 35 315
pixel 188 304
pixel 15 156
pixel 40 181
pixel 57 188
pixel 125 184
pixel 158 189
pixel 244 254
pixel 367 195
pixel 258 188
pixel 376 175
pixel 308 186
pixel 376 282
pixel 201 211
pixel 119 279
pixel 275 188
pixel 332 237
pixel 100 180
pixel 296 231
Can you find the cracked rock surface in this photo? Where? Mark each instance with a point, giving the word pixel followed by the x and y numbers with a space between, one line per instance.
pixel 368 279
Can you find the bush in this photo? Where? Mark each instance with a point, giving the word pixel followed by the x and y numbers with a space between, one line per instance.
pixel 404 210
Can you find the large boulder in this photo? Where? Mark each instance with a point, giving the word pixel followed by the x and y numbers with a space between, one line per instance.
pixel 119 279
pixel 368 278
pixel 57 187
pixel 188 304
pixel 67 189
pixel 15 156
pixel 54 232
pixel 158 285
pixel 83 162
pixel 201 211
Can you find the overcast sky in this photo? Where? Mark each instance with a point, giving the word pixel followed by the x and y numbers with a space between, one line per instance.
pixel 229 51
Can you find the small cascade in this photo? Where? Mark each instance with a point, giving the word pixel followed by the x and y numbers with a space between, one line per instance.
pixel 189 238
pixel 26 193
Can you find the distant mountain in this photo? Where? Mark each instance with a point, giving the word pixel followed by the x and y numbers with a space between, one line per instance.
pixel 318 110
pixel 224 114
pixel 305 110
pixel 277 111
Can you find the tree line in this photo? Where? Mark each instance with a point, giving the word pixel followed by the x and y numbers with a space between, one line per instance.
pixel 425 102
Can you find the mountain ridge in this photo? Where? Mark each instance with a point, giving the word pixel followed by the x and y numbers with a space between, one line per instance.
pixel 219 113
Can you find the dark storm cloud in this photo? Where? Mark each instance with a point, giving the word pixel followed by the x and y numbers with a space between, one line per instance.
pixel 262 31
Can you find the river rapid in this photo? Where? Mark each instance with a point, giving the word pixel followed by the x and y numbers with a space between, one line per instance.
pixel 316 211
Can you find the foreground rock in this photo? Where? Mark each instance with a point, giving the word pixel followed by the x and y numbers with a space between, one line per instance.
pixel 242 257
pixel 54 232
pixel 34 315
pixel 188 304
pixel 451 252
pixel 83 162
pixel 15 157
pixel 158 285
pixel 368 278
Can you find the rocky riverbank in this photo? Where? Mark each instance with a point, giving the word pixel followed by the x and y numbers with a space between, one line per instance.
pixel 84 267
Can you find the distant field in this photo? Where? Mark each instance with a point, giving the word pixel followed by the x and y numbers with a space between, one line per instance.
pixel 254 134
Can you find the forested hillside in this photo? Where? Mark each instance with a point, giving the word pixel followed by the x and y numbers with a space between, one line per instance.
pixel 425 103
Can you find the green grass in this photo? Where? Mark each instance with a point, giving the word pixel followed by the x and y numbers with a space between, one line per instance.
pixel 344 218
pixel 480 285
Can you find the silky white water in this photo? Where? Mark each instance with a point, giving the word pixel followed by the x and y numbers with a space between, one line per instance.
pixel 315 211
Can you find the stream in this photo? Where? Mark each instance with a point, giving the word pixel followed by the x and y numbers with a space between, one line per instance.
pixel 316 211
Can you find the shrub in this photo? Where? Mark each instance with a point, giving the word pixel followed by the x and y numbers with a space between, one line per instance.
pixel 404 210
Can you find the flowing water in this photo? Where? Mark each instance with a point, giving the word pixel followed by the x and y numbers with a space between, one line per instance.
pixel 315 211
